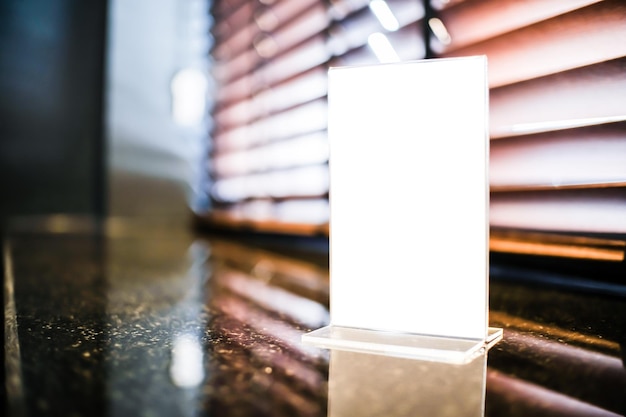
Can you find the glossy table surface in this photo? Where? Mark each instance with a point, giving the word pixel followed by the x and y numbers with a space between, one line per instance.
pixel 157 322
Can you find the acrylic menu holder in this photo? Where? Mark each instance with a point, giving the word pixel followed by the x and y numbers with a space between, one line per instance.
pixel 409 201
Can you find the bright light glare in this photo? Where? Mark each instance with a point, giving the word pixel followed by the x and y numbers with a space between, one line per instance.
pixel 382 48
pixel 303 181
pixel 385 16
pixel 440 31
pixel 189 88
pixel 564 124
pixel 187 368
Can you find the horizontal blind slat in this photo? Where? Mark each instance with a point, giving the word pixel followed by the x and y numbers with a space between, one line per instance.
pixel 307 118
pixel 307 24
pixel 585 36
pixel 588 211
pixel 593 92
pixel 587 157
pixel 303 150
pixel 304 87
pixel 307 181
pixel 498 17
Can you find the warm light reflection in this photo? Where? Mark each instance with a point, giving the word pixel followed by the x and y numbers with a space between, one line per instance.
pixel 273 298
pixel 571 337
pixel 266 325
pixel 300 276
pixel 60 223
pixel 12 358
pixel 534 399
pixel 382 48
pixel 439 30
pixel 544 247
pixel 526 128
pixel 187 367
pixel 385 16
pixel 256 327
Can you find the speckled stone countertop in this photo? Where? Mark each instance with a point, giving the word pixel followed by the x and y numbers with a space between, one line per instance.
pixel 172 324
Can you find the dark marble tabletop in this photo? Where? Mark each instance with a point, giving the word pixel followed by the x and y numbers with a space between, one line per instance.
pixel 162 322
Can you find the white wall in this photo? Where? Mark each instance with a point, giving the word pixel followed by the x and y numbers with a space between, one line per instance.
pixel 154 165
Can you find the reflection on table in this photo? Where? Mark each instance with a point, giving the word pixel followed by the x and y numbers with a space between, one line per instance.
pixel 151 323
pixel 363 384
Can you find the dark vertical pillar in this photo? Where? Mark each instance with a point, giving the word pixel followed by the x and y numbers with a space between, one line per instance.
pixel 429 13
pixel 51 111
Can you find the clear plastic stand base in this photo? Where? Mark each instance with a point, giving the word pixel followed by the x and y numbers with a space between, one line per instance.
pixel 406 345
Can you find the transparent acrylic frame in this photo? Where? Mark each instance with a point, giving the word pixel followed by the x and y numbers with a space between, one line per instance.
pixel 446 288
pixel 405 345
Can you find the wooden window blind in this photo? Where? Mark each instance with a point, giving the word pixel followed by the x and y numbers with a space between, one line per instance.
pixel 557 74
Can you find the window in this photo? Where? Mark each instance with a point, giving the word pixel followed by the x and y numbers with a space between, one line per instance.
pixel 269 162
pixel 557 72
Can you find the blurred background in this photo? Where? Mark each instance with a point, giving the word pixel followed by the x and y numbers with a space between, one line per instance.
pixel 193 116
pixel 216 110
